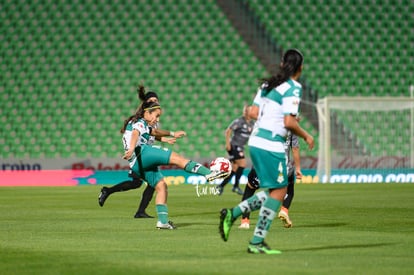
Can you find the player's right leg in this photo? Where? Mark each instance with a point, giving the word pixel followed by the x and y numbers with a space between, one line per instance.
pixel 284 210
pixel 228 216
pixel 240 163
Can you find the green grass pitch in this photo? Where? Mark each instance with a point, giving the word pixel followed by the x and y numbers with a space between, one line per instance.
pixel 337 229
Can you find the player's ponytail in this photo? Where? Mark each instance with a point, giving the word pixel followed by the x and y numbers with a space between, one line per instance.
pixel 291 63
pixel 144 96
pixel 141 92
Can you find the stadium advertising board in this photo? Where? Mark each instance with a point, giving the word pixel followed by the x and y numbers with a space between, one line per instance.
pixel 67 172
pixel 369 176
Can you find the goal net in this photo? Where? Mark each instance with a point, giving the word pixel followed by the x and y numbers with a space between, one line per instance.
pixel 366 139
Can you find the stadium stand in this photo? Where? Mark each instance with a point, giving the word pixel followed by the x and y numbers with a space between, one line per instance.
pixel 69 69
pixel 352 48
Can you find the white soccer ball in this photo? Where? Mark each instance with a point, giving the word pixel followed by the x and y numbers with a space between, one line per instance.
pixel 221 164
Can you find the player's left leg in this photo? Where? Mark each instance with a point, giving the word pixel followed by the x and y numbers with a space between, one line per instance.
pixel 241 164
pixel 229 215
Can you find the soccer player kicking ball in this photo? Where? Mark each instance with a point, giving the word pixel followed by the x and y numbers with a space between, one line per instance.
pixel 279 105
pixel 144 159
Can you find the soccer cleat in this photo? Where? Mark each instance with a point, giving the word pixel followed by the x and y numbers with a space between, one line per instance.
pixel 237 190
pixel 169 225
pixel 142 215
pixel 217 175
pixel 226 221
pixel 103 196
pixel 245 223
pixel 284 217
pixel 261 248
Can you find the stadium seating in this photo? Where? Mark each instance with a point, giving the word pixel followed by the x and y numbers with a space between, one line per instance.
pixel 346 39
pixel 70 70
pixel 351 49
pixel 74 68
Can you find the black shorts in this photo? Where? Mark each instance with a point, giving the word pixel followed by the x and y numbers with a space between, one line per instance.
pixel 236 152
pixel 255 182
pixel 253 179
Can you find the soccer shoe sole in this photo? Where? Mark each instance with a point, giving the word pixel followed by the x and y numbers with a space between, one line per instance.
pixel 218 175
pixel 285 220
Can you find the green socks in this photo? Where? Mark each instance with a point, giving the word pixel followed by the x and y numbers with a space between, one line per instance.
pixel 251 204
pixel 266 216
pixel 196 168
pixel 162 212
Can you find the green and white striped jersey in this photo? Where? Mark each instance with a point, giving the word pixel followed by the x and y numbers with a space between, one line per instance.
pixel 144 136
pixel 270 132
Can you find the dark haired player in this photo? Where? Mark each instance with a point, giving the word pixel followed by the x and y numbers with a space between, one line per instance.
pixel 237 135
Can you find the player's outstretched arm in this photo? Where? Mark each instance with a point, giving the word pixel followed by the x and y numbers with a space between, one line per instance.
pixel 167 133
pixel 134 139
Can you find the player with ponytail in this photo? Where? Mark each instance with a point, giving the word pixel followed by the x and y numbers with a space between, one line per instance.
pixel 279 106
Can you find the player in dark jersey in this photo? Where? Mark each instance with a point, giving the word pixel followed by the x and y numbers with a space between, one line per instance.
pixel 237 135
pixel 294 172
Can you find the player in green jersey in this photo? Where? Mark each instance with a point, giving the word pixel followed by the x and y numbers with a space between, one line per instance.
pixel 145 159
pixel 279 106
pixel 135 181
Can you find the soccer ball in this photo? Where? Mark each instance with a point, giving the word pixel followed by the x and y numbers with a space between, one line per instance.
pixel 221 164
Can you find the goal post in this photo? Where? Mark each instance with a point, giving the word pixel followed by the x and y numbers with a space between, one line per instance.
pixel 366 139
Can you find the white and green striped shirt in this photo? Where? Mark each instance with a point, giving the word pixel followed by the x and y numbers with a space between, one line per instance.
pixel 270 132
pixel 144 136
